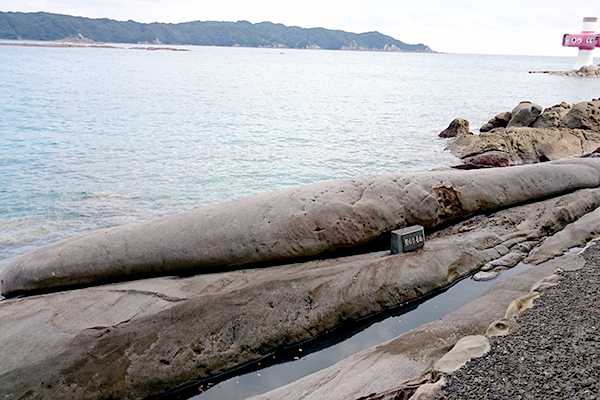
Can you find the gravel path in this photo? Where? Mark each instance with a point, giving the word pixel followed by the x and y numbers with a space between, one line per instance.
pixel 554 354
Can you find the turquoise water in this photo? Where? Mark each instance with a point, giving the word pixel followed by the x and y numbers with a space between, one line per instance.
pixel 95 137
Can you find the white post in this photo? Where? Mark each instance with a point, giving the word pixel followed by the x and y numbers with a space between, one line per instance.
pixel 586 55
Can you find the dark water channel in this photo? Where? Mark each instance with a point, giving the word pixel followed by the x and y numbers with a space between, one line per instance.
pixel 296 362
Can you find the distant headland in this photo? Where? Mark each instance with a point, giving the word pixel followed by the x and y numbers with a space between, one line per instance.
pixel 51 27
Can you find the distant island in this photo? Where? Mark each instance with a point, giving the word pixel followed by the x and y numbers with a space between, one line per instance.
pixel 52 27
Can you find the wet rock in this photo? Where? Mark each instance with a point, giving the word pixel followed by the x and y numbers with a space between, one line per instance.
pixel 487 273
pixel 524 114
pixel 458 126
pixel 508 260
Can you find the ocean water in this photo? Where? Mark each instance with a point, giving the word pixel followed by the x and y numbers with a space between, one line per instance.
pixel 99 137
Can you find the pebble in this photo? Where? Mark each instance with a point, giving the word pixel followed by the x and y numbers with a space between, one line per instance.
pixel 554 354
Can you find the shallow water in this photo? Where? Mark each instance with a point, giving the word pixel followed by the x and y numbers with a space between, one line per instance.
pixel 97 137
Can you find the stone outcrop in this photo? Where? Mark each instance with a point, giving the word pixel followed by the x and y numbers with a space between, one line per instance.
pixel 585 71
pixel 584 115
pixel 144 337
pixel 289 224
pixel 552 116
pixel 134 339
pixel 402 367
pixel 458 126
pixel 398 368
pixel 499 121
pixel 532 136
pixel 524 114
pixel 574 234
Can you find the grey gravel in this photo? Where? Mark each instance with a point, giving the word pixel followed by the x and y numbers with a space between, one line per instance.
pixel 554 354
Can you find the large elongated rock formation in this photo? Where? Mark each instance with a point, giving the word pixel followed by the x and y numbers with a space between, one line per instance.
pixel 138 338
pixel 288 224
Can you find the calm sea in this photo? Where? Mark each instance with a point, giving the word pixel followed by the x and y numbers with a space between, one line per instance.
pixel 97 137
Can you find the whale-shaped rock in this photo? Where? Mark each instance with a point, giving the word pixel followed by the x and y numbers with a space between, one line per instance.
pixel 290 223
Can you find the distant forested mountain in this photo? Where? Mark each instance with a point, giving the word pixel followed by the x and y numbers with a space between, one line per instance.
pixel 46 26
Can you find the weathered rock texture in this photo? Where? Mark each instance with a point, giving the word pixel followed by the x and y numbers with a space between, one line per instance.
pixel 583 116
pixel 137 338
pixel 394 370
pixel 458 126
pixel 288 224
pixel 397 368
pixel 552 116
pixel 558 132
pixel 524 114
pixel 574 234
pixel 499 121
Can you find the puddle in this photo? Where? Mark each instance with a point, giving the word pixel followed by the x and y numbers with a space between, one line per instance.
pixel 291 364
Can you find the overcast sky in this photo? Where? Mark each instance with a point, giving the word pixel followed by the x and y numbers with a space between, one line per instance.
pixel 455 26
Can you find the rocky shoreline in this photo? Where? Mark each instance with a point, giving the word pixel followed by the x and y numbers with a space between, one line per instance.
pixel 527 134
pixel 136 311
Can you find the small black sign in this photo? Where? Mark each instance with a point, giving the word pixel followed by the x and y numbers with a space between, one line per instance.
pixel 407 239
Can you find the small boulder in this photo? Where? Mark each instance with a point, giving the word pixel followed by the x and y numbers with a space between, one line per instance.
pixel 552 116
pixel 524 114
pixel 499 121
pixel 584 115
pixel 589 70
pixel 458 126
pixel 494 158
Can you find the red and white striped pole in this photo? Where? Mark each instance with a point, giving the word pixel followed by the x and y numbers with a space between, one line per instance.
pixel 586 41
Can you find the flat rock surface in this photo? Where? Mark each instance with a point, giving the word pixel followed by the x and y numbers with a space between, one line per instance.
pixel 554 354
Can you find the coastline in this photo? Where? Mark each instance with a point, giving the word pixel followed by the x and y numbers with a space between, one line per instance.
pixel 89 45
pixel 171 329
pixel 157 46
pixel 167 328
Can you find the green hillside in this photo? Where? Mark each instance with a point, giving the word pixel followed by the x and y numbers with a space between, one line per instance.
pixel 46 26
